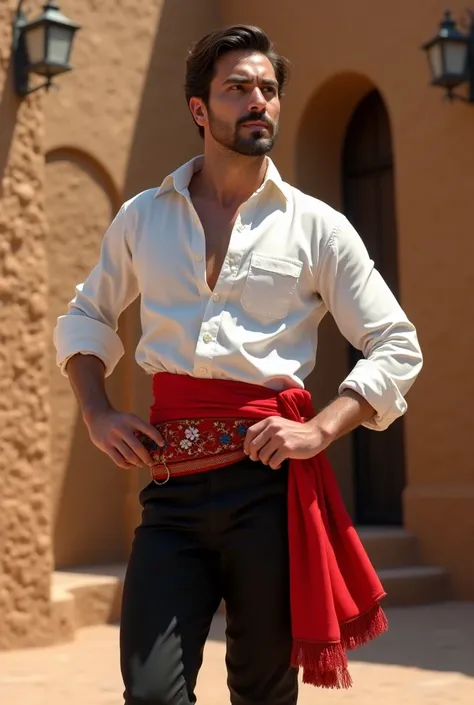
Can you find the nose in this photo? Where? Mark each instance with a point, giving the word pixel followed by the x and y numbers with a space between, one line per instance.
pixel 257 100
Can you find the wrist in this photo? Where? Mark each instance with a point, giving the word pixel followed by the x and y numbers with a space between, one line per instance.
pixel 344 414
pixel 91 411
pixel 323 429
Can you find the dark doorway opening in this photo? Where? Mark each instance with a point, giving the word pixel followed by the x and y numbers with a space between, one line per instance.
pixel 369 204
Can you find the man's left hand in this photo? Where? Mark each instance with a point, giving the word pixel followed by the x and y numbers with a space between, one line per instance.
pixel 275 439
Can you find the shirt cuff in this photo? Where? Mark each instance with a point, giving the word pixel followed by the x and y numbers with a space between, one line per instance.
pixel 368 380
pixel 75 333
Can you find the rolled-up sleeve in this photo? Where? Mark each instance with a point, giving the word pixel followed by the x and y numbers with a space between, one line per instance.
pixel 90 324
pixel 371 319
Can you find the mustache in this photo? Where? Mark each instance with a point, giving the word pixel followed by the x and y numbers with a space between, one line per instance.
pixel 255 117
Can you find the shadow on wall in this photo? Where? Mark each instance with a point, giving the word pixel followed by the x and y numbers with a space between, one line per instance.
pixel 165 135
pixel 321 135
pixel 96 503
pixel 83 199
pixel 92 167
pixel 8 117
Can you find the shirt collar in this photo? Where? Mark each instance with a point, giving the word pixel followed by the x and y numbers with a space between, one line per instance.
pixel 180 179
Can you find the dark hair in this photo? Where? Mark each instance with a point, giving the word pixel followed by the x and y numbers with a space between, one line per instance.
pixel 202 59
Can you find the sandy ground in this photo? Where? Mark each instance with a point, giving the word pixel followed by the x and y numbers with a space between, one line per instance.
pixel 427 657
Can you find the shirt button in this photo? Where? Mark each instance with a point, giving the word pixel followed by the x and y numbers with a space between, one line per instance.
pixel 203 370
pixel 215 297
pixel 240 228
pixel 199 258
pixel 207 337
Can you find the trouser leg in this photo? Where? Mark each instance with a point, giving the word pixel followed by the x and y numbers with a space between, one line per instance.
pixel 255 580
pixel 171 593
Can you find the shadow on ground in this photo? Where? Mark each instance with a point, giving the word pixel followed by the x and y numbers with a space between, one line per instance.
pixel 434 638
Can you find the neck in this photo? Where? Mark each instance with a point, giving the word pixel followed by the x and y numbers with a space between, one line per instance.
pixel 230 178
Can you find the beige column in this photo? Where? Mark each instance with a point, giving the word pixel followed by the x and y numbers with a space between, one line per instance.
pixel 25 543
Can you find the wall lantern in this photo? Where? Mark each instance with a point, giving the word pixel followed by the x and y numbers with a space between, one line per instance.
pixel 451 58
pixel 41 46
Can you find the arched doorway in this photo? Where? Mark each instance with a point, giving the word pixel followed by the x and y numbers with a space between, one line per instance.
pixel 369 203
pixel 80 200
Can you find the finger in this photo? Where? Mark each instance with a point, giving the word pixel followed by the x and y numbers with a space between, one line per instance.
pixel 148 430
pixel 119 459
pixel 278 458
pixel 267 451
pixel 129 455
pixel 253 432
pixel 139 447
pixel 258 443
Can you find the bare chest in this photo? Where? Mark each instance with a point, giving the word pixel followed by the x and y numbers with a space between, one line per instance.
pixel 217 227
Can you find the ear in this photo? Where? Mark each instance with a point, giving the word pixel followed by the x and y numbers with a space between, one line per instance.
pixel 198 110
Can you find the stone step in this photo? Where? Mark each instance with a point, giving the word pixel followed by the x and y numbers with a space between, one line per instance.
pixel 85 596
pixel 414 585
pixel 389 547
pixel 91 595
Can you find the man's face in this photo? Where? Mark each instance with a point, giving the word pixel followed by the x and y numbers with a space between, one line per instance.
pixel 244 106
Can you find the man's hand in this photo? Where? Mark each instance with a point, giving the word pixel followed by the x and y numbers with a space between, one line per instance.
pixel 275 439
pixel 114 434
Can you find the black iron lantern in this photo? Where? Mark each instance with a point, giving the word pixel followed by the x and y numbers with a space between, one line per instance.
pixel 41 46
pixel 450 56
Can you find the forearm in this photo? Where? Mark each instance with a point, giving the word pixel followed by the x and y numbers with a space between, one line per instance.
pixel 86 375
pixel 344 414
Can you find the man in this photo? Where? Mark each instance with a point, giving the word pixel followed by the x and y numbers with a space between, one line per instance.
pixel 236 269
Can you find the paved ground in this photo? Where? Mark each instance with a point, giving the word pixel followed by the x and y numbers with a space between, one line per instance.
pixel 427 658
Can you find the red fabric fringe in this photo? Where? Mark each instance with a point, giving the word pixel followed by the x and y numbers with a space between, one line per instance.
pixel 325 665
pixel 365 628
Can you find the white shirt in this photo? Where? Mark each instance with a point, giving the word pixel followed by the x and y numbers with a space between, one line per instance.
pixel 291 258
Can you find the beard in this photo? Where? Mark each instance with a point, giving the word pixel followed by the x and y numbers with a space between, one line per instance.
pixel 254 144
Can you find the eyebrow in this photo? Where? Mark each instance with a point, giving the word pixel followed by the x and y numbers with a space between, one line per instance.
pixel 243 80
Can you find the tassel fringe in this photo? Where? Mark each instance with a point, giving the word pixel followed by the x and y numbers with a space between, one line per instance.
pixel 325 665
pixel 364 628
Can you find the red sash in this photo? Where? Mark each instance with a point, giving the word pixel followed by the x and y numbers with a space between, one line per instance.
pixel 334 589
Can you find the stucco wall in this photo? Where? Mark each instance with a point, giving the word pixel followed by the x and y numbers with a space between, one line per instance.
pixel 25 545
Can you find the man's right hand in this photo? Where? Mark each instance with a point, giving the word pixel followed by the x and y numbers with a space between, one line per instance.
pixel 114 434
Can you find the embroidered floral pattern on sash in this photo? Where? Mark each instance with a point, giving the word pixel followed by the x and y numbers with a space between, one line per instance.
pixel 196 438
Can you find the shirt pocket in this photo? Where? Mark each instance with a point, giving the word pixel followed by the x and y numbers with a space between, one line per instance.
pixel 270 285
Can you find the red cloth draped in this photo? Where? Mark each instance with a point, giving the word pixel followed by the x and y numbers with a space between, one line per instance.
pixel 334 589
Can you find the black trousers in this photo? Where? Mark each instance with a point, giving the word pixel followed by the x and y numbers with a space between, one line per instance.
pixel 204 537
